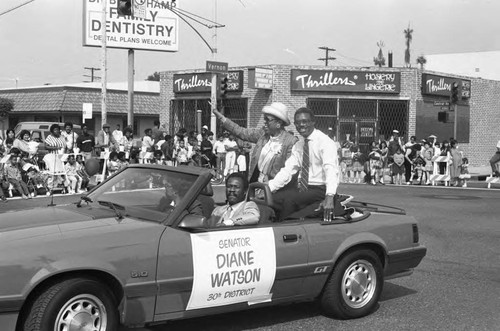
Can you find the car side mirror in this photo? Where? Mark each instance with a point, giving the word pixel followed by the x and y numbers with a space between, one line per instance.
pixel 192 221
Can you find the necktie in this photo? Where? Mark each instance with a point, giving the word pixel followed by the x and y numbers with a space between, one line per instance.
pixel 304 169
pixel 226 214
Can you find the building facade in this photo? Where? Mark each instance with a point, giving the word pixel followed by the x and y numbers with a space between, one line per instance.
pixel 359 104
pixel 65 104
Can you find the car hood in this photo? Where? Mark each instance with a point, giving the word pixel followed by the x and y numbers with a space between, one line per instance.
pixel 42 217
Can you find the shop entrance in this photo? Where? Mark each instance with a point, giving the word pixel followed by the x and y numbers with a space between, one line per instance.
pixel 360 132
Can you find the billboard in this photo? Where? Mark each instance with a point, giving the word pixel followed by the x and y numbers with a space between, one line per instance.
pixel 157 31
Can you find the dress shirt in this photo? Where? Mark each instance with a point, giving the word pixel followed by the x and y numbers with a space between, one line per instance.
pixel 242 213
pixel 323 163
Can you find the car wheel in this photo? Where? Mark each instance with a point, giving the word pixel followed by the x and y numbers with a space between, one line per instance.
pixel 354 287
pixel 74 304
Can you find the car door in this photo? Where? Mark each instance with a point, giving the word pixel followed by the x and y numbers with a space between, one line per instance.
pixel 292 252
pixel 222 267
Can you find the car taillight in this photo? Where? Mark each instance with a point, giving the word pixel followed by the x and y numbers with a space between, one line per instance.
pixel 415 233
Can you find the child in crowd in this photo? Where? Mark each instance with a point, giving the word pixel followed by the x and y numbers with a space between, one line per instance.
pixel 428 154
pixel 82 172
pixel 419 166
pixel 113 165
pixel 158 158
pixel 181 153
pixel 357 164
pixel 398 167
pixel 12 172
pixel 375 165
pixel 464 172
pixel 122 160
pixel 220 152
pixel 75 181
pixel 346 162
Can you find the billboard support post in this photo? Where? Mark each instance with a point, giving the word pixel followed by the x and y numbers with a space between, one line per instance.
pixel 130 114
pixel 104 114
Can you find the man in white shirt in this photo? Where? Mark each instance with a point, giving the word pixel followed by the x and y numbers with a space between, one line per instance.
pixel 70 136
pixel 237 211
pixel 118 134
pixel 315 159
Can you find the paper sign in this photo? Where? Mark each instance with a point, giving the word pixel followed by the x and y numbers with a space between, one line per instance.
pixel 232 266
pixel 87 111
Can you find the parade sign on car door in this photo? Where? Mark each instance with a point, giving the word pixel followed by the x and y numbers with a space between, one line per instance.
pixel 232 266
pixel 157 31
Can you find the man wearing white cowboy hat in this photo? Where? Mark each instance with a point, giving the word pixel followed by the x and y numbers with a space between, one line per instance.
pixel 273 144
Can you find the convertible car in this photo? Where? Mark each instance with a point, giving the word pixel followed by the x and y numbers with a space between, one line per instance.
pixel 135 251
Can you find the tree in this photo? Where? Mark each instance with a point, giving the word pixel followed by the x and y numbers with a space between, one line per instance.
pixel 6 105
pixel 380 59
pixel 154 77
pixel 408 36
pixel 421 60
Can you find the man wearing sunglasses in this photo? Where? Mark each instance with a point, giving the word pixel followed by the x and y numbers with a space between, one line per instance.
pixel 273 144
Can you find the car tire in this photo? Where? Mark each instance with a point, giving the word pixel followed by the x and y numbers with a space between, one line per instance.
pixel 77 302
pixel 344 298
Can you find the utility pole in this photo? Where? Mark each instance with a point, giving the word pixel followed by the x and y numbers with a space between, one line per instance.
pixel 104 114
pixel 326 58
pixel 213 90
pixel 92 76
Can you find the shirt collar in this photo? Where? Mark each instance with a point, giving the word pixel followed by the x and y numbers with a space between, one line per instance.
pixel 236 205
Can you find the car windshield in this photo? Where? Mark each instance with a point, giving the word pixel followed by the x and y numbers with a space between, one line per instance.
pixel 146 193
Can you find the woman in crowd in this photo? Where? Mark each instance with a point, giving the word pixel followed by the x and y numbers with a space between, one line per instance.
pixel 456 163
pixel 10 135
pixel 55 143
pixel 24 143
pixel 444 151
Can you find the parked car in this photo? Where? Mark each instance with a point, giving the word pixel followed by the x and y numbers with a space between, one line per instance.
pixel 39 131
pixel 133 251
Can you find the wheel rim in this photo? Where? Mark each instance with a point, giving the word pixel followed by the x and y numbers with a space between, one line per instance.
pixel 84 312
pixel 358 284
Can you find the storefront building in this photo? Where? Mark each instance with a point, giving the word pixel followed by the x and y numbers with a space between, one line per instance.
pixel 65 104
pixel 359 104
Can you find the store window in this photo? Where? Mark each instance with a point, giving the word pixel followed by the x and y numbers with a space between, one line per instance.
pixel 184 113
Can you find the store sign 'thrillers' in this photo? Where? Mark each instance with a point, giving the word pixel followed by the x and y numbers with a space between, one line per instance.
pixel 345 81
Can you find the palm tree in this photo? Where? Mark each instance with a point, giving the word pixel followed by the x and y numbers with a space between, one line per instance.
pixel 380 59
pixel 421 60
pixel 408 36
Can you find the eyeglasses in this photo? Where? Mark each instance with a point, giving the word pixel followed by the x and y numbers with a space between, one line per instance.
pixel 269 120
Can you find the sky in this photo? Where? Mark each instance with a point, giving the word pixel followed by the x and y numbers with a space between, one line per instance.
pixel 41 42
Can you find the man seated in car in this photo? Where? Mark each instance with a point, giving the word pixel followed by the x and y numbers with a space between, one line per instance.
pixel 236 211
pixel 175 189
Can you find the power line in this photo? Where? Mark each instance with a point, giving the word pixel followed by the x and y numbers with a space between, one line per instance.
pixel 19 6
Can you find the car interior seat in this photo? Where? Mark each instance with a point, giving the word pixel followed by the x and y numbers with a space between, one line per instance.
pixel 267 213
pixel 206 200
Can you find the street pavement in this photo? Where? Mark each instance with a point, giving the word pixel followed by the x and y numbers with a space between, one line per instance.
pixel 456 287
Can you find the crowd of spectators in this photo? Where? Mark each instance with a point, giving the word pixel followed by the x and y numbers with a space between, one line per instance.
pixel 27 169
pixel 403 163
pixel 24 171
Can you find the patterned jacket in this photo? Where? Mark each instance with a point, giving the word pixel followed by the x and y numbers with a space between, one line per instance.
pixel 257 136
